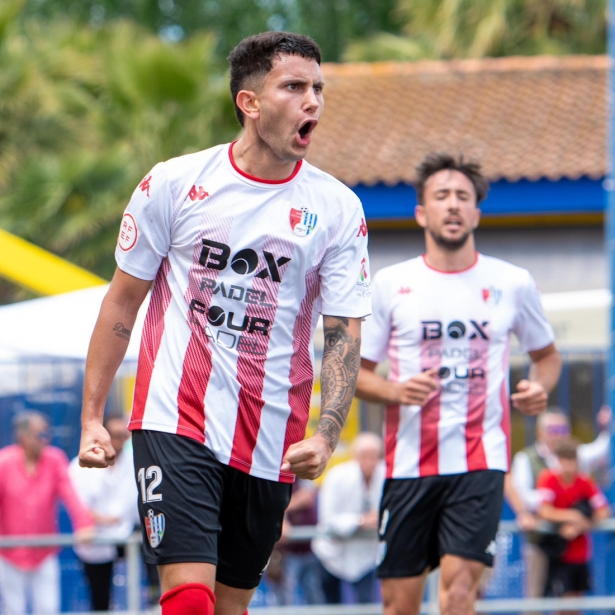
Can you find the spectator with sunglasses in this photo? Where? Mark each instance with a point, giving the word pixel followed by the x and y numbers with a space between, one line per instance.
pixel 33 478
pixel 552 427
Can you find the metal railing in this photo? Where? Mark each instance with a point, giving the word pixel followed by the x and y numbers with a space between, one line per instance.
pixel 429 607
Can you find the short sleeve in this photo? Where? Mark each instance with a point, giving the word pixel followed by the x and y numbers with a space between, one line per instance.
pixel 376 329
pixel 145 230
pixel 345 279
pixel 545 486
pixel 597 499
pixel 531 325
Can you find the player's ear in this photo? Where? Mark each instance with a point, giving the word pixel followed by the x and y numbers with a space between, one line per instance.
pixel 476 218
pixel 247 101
pixel 419 215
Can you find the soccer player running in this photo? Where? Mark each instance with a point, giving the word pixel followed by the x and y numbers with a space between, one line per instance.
pixel 443 320
pixel 246 243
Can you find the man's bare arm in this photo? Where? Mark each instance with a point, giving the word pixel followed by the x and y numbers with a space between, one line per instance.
pixel 338 378
pixel 532 394
pixel 374 388
pixel 105 354
pixel 340 365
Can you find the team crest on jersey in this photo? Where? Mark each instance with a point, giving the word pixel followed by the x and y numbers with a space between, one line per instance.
pixel 492 295
pixel 302 221
pixel 154 526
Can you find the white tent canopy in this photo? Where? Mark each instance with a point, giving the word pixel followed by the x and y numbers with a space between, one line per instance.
pixel 59 326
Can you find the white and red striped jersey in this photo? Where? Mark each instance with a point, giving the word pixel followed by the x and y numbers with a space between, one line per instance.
pixel 242 268
pixel 459 323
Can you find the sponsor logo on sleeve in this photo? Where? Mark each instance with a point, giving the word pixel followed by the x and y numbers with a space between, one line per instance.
pixel 154 527
pixel 302 222
pixel 363 283
pixel 128 233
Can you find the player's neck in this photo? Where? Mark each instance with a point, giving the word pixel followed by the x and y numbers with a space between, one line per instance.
pixel 254 157
pixel 450 261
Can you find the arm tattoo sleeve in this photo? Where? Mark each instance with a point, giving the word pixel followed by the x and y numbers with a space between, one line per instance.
pixel 340 366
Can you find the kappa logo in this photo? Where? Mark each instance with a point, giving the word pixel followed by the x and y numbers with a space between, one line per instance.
pixel 492 295
pixel 302 222
pixel 154 527
pixel 145 184
pixel 362 229
pixel 197 193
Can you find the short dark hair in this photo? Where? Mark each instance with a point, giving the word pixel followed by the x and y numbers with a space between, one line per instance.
pixel 254 56
pixel 434 162
pixel 567 448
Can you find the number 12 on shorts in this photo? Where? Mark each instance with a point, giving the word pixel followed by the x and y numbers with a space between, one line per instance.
pixel 153 473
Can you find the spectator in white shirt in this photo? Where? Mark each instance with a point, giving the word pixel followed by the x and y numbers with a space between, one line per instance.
pixel 552 427
pixel 111 496
pixel 348 502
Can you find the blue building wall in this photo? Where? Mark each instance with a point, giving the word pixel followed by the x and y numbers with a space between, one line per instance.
pixel 521 198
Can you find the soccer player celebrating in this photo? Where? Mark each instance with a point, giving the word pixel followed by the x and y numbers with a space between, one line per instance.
pixel 246 243
pixel 443 320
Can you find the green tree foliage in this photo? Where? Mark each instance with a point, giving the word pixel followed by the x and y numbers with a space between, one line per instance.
pixel 332 23
pixel 84 114
pixel 478 28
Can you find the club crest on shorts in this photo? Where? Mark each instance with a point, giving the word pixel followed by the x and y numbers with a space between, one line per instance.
pixel 302 221
pixel 154 526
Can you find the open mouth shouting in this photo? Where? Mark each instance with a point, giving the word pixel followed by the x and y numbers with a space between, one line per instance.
pixel 304 134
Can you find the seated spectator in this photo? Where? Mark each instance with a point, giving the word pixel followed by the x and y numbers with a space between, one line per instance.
pixel 574 503
pixel 33 478
pixel 348 502
pixel 111 496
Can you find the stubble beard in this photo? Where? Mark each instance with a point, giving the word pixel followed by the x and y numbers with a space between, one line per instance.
pixel 450 245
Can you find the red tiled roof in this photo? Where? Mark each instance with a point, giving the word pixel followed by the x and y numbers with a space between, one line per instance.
pixel 522 117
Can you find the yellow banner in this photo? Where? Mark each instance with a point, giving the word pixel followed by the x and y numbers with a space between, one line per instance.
pixel 39 270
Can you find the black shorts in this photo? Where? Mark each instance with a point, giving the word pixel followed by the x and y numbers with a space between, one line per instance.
pixel 564 577
pixel 422 519
pixel 195 509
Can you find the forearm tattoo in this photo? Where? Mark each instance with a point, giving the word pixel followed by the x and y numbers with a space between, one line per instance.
pixel 121 331
pixel 338 378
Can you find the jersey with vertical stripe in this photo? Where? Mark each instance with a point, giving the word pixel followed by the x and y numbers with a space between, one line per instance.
pixel 459 323
pixel 242 269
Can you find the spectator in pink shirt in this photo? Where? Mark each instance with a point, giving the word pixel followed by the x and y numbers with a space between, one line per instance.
pixel 33 478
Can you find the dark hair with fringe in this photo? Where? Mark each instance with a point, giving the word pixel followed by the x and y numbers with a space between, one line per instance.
pixel 434 162
pixel 254 56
